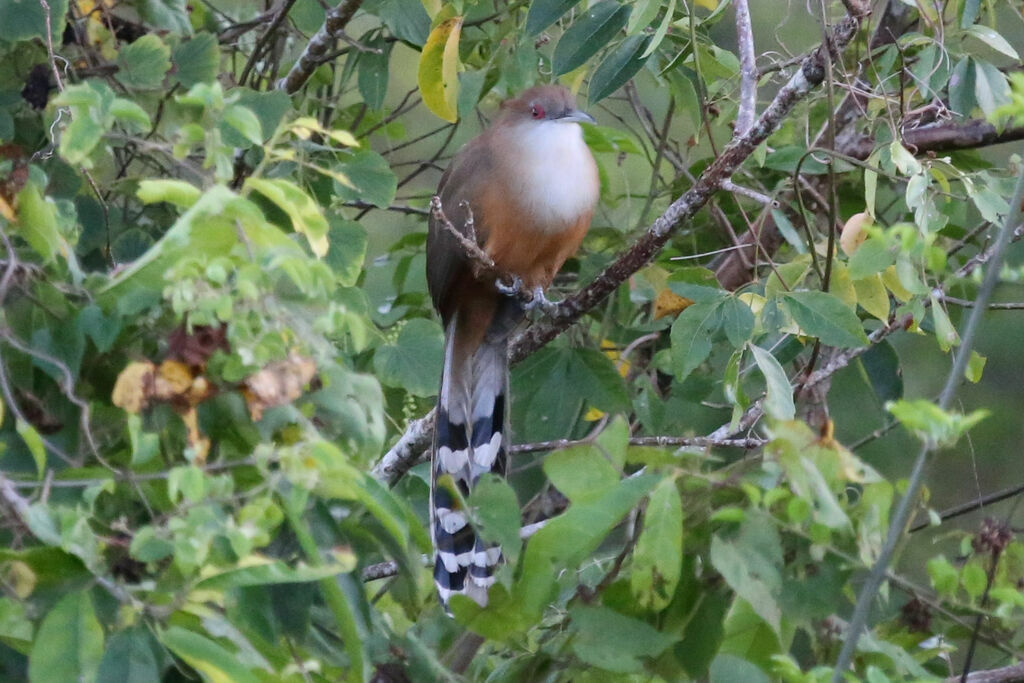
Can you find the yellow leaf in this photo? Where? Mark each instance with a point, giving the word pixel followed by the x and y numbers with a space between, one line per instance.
pixel 872 297
pixel 7 211
pixel 707 4
pixel 438 74
pixel 173 379
pixel 593 415
pixel 669 303
pixel 133 387
pixel 196 441
pixel 891 279
pixel 278 383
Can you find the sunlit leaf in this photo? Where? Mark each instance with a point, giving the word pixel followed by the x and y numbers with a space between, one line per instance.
pixel 438 69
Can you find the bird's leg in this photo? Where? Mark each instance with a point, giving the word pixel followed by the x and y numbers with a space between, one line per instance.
pixel 540 301
pixel 511 289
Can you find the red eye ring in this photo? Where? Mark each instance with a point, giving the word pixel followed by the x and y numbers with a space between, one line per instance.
pixel 537 111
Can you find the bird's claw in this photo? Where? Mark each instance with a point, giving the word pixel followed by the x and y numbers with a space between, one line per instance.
pixel 512 289
pixel 539 301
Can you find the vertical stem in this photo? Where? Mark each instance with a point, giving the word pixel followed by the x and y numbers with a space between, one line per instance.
pixel 899 521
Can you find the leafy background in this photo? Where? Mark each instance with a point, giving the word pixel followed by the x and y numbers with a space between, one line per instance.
pixel 215 325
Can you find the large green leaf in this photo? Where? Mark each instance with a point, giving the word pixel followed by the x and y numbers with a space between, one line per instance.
pixel 620 65
pixel 612 641
pixel 414 361
pixel 406 19
pixel 588 35
pixel 262 571
pixel 658 556
pixel 372 76
pixel 305 214
pixel 778 400
pixel 197 60
pixel 371 177
pixel 543 13
pixel 37 222
pixel 143 64
pixel 825 316
pixel 498 512
pixel 751 564
pixel 206 656
pixel 69 643
pixel 691 336
pixel 129 658
pixel 26 19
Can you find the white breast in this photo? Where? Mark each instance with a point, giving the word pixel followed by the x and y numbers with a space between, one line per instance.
pixel 552 176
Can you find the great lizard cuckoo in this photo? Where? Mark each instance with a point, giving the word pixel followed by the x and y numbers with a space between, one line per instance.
pixel 528 186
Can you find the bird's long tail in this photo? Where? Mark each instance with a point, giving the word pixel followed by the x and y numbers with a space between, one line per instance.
pixel 469 440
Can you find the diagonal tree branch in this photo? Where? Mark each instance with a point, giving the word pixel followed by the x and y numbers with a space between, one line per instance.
pixel 319 45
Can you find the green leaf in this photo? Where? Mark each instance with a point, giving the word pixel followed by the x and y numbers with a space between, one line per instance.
pixel 34 443
pixel 262 571
pixel 945 333
pixel 662 30
pixel 691 336
pixel 438 75
pixel 305 214
pixel 658 555
pixel 69 643
pixel 588 35
pixel 543 13
pixel 146 546
pixel 406 19
pixel 143 64
pixel 992 38
pixel 599 381
pixel 871 258
pixel 498 512
pixel 728 668
pixel 348 249
pixel 245 122
pixel 823 315
pixel 581 473
pixel 129 658
pixel 269 107
pixel 750 564
pixel 991 89
pixel 37 222
pixel 975 367
pixel 127 111
pixel 177 192
pixel 618 66
pixel 169 15
pixel 644 12
pixel 932 424
pixel 413 362
pixel 614 642
pixel 26 19
pixel 944 576
pixel 372 179
pixel 197 60
pixel 961 88
pixel 206 656
pixel 778 401
pixel 737 321
pixel 372 75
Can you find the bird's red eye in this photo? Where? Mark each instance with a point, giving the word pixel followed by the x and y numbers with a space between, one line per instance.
pixel 537 111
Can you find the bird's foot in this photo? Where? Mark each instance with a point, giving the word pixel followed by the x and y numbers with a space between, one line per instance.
pixel 511 289
pixel 541 302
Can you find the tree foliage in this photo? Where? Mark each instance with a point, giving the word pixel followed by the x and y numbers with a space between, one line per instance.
pixel 215 334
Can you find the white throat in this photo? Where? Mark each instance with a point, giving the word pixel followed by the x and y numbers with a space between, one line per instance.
pixel 552 175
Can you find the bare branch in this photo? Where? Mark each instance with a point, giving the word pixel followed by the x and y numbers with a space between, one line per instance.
pixel 759 197
pixel 334 27
pixel 1007 674
pixel 406 453
pixel 748 69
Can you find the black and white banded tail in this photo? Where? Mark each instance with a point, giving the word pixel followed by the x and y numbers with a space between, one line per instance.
pixel 469 441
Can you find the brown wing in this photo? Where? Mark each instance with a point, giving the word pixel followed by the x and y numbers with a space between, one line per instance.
pixel 446 260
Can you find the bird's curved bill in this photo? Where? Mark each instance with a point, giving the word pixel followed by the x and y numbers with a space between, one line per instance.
pixel 576 116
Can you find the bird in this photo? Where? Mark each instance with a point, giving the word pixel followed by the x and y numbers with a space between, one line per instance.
pixel 525 189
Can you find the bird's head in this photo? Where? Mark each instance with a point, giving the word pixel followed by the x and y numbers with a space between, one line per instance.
pixel 544 103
